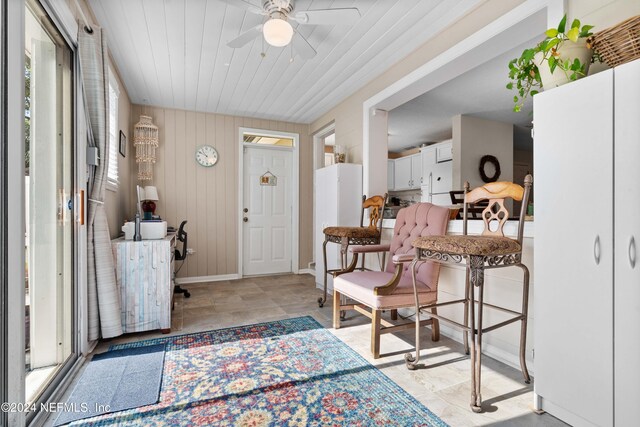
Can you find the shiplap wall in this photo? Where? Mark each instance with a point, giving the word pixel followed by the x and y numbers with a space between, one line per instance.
pixel 208 197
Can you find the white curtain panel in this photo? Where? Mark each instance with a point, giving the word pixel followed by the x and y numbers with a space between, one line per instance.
pixel 103 295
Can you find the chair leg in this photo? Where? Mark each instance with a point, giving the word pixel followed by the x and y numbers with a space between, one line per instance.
pixel 323 298
pixel 435 326
pixel 410 360
pixel 465 334
pixel 477 281
pixel 394 314
pixel 375 333
pixel 478 368
pixel 472 343
pixel 336 309
pixel 523 326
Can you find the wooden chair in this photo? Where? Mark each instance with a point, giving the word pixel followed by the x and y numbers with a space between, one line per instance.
pixel 346 236
pixel 392 288
pixel 489 250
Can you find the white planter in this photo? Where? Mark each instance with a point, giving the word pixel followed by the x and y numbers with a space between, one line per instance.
pixel 568 50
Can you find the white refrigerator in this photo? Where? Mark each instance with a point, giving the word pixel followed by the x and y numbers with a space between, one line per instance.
pixel 338 202
pixel 437 182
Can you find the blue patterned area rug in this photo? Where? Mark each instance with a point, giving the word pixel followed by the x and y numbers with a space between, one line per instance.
pixel 286 373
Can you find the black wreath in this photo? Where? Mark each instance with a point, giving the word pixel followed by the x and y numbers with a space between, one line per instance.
pixel 489 159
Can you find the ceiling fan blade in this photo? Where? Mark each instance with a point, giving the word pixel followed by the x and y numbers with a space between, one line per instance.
pixel 302 46
pixel 245 37
pixel 344 16
pixel 246 5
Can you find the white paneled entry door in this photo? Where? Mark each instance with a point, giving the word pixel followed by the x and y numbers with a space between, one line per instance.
pixel 267 210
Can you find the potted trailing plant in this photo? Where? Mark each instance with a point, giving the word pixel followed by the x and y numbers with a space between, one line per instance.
pixel 563 56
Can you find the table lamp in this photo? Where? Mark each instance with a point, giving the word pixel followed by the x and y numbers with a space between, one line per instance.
pixel 149 205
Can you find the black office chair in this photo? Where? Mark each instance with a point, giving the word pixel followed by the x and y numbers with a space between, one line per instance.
pixel 181 256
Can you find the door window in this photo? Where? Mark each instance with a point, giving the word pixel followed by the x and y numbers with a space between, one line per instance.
pixel 266 140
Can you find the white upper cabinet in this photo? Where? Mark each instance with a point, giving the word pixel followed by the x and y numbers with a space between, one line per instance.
pixel 428 155
pixel 390 174
pixel 444 151
pixel 402 173
pixel 416 171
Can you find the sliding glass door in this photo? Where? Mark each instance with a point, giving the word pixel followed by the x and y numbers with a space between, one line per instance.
pixel 49 186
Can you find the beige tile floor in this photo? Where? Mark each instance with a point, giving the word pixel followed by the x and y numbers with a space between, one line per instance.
pixel 443 386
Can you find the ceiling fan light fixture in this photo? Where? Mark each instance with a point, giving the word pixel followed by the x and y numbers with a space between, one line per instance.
pixel 277 32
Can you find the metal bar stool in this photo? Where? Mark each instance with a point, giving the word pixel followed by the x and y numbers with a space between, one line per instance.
pixel 489 250
pixel 345 236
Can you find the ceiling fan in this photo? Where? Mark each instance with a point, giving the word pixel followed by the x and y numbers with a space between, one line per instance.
pixel 278 32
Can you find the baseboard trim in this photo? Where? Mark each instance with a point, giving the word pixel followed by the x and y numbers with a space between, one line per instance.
pixel 205 279
pixel 307 271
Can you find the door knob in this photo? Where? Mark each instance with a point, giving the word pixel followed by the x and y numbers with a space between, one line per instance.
pixel 245 210
pixel 596 250
pixel 245 219
pixel 632 252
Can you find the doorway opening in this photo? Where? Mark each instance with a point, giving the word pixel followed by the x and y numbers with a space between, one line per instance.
pixel 268 202
pixel 518 27
pixel 324 147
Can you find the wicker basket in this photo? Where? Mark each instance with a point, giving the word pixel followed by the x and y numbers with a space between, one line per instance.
pixel 619 44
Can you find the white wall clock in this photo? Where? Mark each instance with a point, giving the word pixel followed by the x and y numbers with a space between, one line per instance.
pixel 206 156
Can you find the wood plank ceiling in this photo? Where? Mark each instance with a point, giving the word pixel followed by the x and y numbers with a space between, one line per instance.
pixel 173 53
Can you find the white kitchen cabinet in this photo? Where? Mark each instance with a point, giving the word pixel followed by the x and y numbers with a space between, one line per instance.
pixel 587 293
pixel 416 171
pixel 444 151
pixel 402 174
pixel 407 173
pixel 390 174
pixel 428 155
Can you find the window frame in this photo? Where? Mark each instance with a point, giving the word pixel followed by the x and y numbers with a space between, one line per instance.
pixel 113 184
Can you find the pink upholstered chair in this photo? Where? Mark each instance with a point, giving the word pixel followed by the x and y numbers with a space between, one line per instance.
pixel 391 289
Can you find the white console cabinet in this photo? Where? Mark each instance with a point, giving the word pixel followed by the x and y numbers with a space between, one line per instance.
pixel 144 273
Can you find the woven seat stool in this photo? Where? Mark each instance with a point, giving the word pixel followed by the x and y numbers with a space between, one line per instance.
pixel 346 236
pixel 487 251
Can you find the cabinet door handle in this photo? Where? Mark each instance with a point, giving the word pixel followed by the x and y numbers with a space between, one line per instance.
pixel 632 252
pixel 596 250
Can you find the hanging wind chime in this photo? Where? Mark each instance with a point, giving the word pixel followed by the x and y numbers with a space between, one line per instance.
pixel 145 139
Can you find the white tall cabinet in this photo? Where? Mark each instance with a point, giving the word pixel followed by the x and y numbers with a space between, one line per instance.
pixel 338 202
pixel 587 293
pixel 627 232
